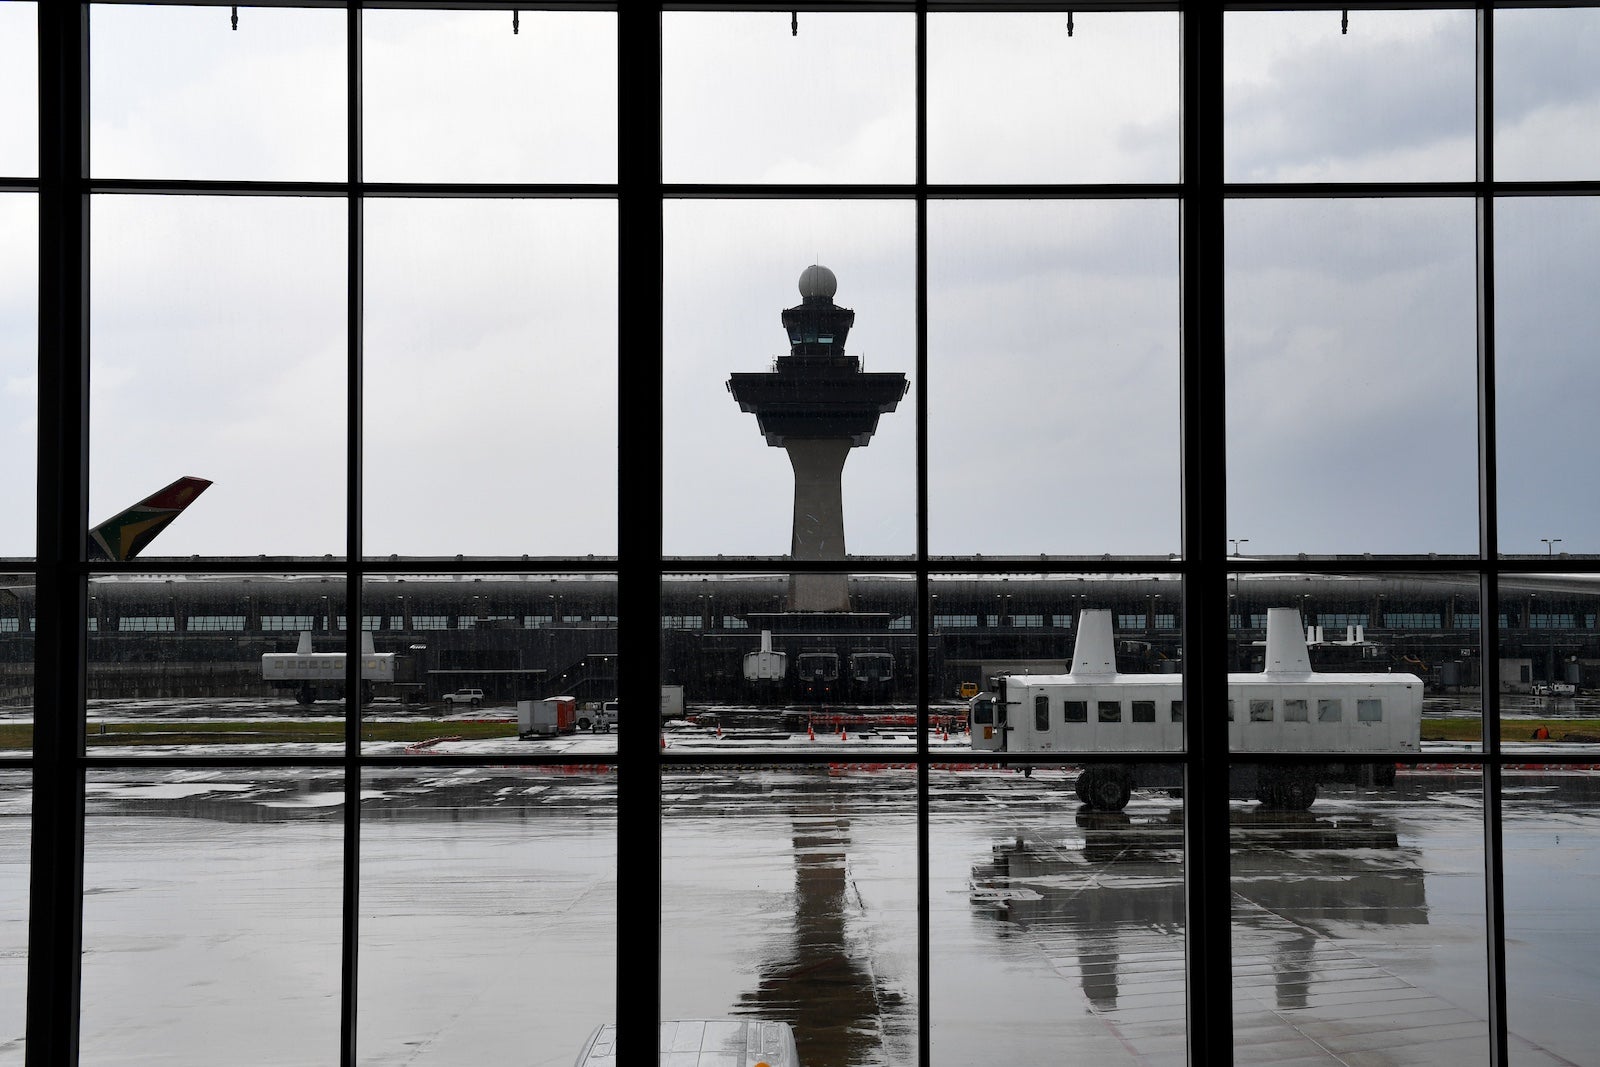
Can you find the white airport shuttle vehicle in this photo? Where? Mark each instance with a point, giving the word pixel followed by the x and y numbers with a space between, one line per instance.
pixel 743 1042
pixel 765 665
pixel 312 674
pixel 1286 708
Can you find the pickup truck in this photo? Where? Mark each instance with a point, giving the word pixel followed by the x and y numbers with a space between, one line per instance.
pixel 464 696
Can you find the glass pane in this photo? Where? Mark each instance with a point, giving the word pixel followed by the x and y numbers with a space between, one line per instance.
pixel 1549 669
pixel 19 368
pixel 1552 859
pixel 1060 665
pixel 217 327
pixel 260 101
pixel 1053 377
pixel 488 96
pixel 224 665
pixel 789 897
pixel 211 917
pixel 1546 94
pixel 1394 675
pixel 1390 100
pixel 1352 363
pixel 1547 271
pixel 744 99
pixel 18 615
pixel 739 388
pixel 507 663
pixel 491 377
pixel 1054 927
pixel 1051 98
pixel 812 662
pixel 19 85
pixel 16 813
pixel 1358 929
pixel 488 914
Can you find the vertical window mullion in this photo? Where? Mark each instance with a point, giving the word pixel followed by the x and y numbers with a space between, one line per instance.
pixel 640 287
pixel 349 958
pixel 1489 549
pixel 55 918
pixel 924 660
pixel 1207 927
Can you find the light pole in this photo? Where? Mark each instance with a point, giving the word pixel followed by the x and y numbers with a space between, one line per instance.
pixel 1550 544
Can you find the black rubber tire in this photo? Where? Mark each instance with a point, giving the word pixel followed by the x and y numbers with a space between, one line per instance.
pixel 1086 778
pixel 475 703
pixel 1383 775
pixel 1298 792
pixel 584 724
pixel 1109 792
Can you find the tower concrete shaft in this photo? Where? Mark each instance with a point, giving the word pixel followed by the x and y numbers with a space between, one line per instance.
pixel 818 521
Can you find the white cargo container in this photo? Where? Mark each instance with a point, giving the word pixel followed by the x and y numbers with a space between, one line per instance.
pixel 672 702
pixel 547 717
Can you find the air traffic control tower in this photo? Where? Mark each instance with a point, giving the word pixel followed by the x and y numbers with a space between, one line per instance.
pixel 817 404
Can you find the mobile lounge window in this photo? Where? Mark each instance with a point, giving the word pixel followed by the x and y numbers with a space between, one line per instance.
pixel 1144 711
pixel 1330 710
pixel 1076 710
pixel 1369 711
pixel 1261 711
pixel 1041 713
pixel 1110 711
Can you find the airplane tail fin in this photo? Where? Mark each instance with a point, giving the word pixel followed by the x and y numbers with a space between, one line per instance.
pixel 1286 648
pixel 1092 651
pixel 125 535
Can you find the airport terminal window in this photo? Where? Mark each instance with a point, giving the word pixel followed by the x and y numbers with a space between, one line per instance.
pixel 193 254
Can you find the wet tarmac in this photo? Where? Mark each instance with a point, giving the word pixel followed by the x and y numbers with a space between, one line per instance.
pixel 212 917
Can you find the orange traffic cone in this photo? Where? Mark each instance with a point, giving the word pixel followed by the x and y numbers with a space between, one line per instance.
pixel 945 736
pixel 719 729
pixel 842 735
pixel 810 733
pixel 663 742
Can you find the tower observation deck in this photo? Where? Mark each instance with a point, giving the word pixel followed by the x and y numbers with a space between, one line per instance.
pixel 817 404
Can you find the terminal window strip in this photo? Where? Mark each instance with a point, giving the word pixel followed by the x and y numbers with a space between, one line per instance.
pixel 147 624
pixel 214 622
pixel 286 622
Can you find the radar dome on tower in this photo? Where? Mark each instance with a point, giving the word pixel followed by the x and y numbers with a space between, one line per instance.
pixel 817 283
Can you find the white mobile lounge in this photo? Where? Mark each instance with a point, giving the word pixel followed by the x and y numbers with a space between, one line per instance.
pixel 1284 709
pixel 705 1043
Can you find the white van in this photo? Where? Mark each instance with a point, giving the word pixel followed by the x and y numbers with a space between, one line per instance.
pixel 705 1043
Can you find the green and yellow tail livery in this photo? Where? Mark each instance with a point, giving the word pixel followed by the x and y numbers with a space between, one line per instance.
pixel 125 535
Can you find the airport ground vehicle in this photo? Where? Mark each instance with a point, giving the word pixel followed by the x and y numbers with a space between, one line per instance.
pixel 473 697
pixel 313 674
pixel 1286 708
pixel 968 690
pixel 704 1043
pixel 547 717
pixel 601 720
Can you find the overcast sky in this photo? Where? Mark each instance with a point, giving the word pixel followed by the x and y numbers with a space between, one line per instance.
pixel 218 324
